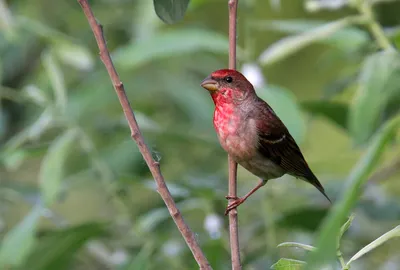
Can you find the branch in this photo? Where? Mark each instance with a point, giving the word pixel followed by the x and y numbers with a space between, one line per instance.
pixel 138 138
pixel 233 217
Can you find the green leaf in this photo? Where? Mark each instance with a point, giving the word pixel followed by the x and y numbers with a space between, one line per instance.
pixel 379 82
pixel 334 111
pixel 396 38
pixel 1 77
pixel 56 248
pixel 169 44
pixel 297 245
pixel 6 18
pixel 288 264
pixel 32 132
pixel 377 242
pixel 326 244
pixel 18 243
pixel 36 95
pixel 40 29
pixel 170 11
pixel 56 79
pixel 345 38
pixel 74 55
pixel 392 107
pixel 283 102
pixel 14 159
pixel 51 170
pixel 346 226
pixel 215 249
pixel 3 122
pixel 7 22
pixel 150 220
pixel 289 45
pixel 142 260
pixel 316 6
pixel 339 85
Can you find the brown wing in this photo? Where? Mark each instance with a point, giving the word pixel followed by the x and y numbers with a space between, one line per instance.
pixel 283 150
pixel 276 144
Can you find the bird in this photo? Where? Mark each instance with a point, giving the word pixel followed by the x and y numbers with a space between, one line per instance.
pixel 249 130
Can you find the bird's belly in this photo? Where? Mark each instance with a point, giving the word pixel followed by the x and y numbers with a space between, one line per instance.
pixel 262 167
pixel 239 148
pixel 238 138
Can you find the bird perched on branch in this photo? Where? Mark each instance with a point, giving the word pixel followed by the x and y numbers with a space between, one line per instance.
pixel 252 134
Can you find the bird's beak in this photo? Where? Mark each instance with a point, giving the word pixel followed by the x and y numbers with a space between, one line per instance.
pixel 209 84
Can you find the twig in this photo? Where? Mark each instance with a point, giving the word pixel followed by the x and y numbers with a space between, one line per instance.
pixel 343 229
pixel 233 217
pixel 136 135
pixel 341 260
pixel 364 7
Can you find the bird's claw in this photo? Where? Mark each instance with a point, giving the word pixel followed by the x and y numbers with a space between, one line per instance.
pixel 237 201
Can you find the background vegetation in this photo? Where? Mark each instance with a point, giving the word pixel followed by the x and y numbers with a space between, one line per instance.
pixel 75 192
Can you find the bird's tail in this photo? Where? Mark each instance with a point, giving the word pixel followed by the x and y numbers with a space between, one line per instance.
pixel 321 189
pixel 313 180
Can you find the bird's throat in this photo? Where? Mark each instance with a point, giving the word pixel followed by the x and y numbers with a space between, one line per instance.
pixel 222 97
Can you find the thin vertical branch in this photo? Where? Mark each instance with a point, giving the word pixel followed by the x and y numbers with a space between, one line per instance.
pixel 136 135
pixel 232 5
pixel 233 216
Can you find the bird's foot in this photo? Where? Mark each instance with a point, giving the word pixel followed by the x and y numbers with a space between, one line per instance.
pixel 237 201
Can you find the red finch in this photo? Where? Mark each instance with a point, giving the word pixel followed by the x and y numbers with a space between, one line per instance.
pixel 252 134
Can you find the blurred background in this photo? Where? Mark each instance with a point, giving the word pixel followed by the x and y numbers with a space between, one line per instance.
pixel 75 192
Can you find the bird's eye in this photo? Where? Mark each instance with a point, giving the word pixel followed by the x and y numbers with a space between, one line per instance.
pixel 228 79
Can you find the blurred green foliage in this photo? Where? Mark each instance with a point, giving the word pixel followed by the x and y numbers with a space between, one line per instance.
pixel 75 192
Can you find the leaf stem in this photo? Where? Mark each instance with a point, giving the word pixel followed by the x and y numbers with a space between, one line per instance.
pixel 341 260
pixel 365 8
pixel 343 229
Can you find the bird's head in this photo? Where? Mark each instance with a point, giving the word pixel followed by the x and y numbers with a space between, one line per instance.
pixel 228 86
